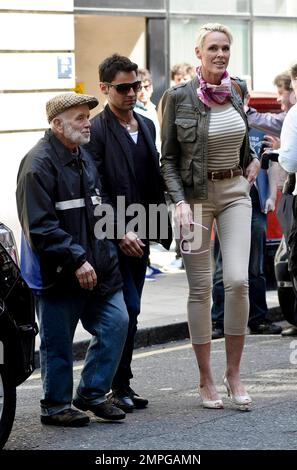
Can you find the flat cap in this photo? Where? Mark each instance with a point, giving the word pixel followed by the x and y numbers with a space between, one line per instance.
pixel 60 103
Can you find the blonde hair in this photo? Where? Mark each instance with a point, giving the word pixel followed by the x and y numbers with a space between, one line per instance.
pixel 210 28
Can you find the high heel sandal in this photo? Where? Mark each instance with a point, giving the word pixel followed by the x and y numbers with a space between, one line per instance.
pixel 242 402
pixel 212 404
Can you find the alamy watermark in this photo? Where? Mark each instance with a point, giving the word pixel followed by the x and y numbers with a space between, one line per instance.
pixel 151 222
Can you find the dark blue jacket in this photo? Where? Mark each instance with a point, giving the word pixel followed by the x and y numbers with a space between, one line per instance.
pixel 57 193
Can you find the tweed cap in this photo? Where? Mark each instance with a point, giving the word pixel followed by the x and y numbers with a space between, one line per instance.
pixel 60 103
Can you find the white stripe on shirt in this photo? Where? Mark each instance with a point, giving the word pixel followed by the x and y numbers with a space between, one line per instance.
pixel 225 136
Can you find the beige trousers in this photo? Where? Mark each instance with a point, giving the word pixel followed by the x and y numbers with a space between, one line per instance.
pixel 229 203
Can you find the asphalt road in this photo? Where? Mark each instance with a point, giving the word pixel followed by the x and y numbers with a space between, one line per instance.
pixel 175 420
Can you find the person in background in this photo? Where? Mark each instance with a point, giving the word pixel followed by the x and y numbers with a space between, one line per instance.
pixel 272 122
pixel 181 73
pixel 288 161
pixel 123 147
pixel 73 274
pixel 147 108
pixel 208 167
pixel 144 105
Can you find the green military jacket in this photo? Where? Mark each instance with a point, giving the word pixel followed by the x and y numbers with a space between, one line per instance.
pixel 185 124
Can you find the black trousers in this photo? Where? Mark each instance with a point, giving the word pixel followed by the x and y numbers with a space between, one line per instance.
pixel 133 272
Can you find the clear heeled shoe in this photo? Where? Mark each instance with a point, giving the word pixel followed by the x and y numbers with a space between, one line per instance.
pixel 242 402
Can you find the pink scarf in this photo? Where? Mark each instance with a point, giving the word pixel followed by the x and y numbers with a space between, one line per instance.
pixel 211 94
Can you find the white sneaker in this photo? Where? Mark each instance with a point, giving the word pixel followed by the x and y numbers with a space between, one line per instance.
pixel 149 275
pixel 175 266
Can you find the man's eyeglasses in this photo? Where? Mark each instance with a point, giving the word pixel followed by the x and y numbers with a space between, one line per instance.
pixel 124 88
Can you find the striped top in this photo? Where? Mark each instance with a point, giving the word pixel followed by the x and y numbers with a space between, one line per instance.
pixel 225 136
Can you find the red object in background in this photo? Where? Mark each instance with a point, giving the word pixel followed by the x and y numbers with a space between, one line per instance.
pixel 266 103
pixel 274 231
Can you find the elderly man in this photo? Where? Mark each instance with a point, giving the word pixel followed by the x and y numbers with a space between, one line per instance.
pixel 73 274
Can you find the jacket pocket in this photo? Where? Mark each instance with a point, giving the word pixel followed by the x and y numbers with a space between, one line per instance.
pixel 186 129
pixel 186 172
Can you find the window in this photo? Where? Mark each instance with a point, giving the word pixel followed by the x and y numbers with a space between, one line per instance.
pixel 277 55
pixel 209 6
pixel 275 7
pixel 183 33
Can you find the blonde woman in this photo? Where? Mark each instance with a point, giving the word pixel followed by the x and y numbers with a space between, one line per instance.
pixel 207 162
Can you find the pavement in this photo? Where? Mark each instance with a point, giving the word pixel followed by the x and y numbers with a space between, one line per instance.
pixel 163 314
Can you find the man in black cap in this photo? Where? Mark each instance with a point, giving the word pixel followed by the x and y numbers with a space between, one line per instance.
pixel 74 275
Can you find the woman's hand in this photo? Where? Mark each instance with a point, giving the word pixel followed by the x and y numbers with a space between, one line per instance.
pixel 183 215
pixel 252 170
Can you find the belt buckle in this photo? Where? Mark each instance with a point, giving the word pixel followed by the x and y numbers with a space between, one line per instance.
pixel 231 173
pixel 213 176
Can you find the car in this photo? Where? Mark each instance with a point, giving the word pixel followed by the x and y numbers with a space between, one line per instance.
pixel 17 331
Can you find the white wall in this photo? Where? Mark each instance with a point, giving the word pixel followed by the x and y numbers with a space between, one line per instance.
pixel 274 51
pixel 27 80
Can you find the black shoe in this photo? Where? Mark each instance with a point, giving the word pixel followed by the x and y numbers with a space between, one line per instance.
pixel 292 331
pixel 68 418
pixel 139 402
pixel 122 400
pixel 217 331
pixel 103 410
pixel 266 327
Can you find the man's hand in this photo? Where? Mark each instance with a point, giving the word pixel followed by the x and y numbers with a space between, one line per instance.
pixel 271 142
pixel 86 276
pixel 252 170
pixel 131 245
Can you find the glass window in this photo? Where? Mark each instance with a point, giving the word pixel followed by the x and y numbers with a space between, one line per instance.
pixel 274 51
pixel 209 6
pixel 275 7
pixel 183 35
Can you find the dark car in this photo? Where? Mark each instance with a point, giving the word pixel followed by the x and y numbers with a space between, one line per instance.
pixel 17 331
pixel 285 288
pixel 286 295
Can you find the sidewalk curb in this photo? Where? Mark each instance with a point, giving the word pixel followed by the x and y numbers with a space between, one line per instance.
pixel 154 335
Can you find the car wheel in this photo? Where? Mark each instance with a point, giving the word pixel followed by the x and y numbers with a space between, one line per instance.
pixel 7 406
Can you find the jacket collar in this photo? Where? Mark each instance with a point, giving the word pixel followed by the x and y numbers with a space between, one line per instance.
pixel 117 129
pixel 194 84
